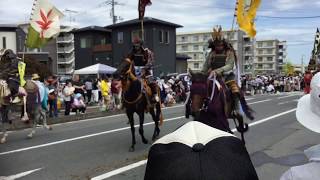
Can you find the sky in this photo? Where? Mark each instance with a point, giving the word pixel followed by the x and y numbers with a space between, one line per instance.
pixel 193 15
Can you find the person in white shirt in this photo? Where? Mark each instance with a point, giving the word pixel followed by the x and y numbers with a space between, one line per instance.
pixel 308 114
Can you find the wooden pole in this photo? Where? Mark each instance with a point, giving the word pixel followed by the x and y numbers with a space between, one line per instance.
pixel 142 30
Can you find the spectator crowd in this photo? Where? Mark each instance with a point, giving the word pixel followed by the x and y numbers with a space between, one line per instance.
pixel 75 94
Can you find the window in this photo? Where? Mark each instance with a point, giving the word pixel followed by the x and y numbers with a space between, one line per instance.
pixel 269 51
pixel 260 59
pixel 4 43
pixel 103 41
pixel 161 36
pixel 260 66
pixel 270 44
pixel 166 37
pixel 136 34
pixel 206 37
pixel 260 52
pixel 184 48
pixel 83 42
pixel 259 44
pixel 195 56
pixel 120 37
pixel 195 47
pixel 269 59
pixel 183 39
pixel 195 38
pixel 196 65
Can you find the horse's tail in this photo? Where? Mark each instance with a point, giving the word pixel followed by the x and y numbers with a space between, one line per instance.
pixel 245 107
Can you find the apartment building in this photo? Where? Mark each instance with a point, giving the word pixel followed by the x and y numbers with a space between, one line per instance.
pixel 194 44
pixel 65 51
pixel 269 57
pixel 58 53
pixel 8 37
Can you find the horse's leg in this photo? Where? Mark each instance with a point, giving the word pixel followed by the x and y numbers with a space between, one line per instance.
pixel 131 122
pixel 35 120
pixel 156 124
pixel 44 115
pixel 141 131
pixel 4 118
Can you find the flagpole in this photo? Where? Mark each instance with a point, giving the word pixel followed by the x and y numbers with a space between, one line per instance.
pixel 30 19
pixel 142 30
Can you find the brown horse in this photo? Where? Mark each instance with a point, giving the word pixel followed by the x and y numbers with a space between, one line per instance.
pixel 210 102
pixel 135 100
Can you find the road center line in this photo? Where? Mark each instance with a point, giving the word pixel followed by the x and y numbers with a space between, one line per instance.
pixel 81 137
pixel 143 162
pixel 259 101
pixel 97 134
pixel 291 95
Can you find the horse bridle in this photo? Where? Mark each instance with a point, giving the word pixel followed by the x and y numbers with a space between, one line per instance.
pixel 129 75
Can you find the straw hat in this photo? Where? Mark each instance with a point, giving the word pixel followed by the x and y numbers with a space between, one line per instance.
pixel 308 110
pixel 35 76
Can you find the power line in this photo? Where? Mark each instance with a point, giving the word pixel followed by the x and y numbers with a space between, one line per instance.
pixel 290 17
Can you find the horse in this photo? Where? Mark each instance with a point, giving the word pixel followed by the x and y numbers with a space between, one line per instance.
pixel 10 97
pixel 135 100
pixel 210 103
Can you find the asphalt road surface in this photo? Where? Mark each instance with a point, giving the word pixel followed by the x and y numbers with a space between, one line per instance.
pixel 98 148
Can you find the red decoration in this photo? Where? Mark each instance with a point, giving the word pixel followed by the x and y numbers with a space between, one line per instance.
pixel 45 23
pixel 142 6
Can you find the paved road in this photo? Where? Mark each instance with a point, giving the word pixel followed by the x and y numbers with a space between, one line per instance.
pixel 90 148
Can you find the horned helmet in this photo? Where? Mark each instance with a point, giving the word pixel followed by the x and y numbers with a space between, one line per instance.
pixel 217 33
pixel 218 39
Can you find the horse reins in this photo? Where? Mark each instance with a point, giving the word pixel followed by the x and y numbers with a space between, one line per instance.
pixel 134 78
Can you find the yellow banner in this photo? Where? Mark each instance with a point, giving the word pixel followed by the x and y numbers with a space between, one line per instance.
pixel 246 16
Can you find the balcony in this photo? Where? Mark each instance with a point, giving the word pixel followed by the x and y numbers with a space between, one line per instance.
pixel 66 70
pixel 68 49
pixel 66 60
pixel 65 39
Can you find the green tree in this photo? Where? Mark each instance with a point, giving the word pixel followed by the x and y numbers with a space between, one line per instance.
pixel 288 68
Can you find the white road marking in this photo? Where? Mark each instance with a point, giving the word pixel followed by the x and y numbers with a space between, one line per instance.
pixel 20 175
pixel 259 101
pixel 287 102
pixel 143 162
pixel 120 170
pixel 288 96
pixel 81 137
pixel 248 99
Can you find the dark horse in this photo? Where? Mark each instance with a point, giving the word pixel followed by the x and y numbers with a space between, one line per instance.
pixel 210 103
pixel 135 101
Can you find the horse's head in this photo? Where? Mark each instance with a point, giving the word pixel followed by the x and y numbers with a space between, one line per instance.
pixel 199 93
pixel 125 69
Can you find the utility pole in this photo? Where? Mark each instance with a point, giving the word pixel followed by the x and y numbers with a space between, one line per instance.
pixel 113 3
pixel 70 12
pixel 302 64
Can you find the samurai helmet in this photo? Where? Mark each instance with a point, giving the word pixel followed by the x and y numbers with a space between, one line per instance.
pixel 217 33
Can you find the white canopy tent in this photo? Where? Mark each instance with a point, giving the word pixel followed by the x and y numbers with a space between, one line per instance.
pixel 96 69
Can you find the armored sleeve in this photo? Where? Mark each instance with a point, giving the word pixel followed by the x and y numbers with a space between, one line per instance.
pixel 206 65
pixel 229 64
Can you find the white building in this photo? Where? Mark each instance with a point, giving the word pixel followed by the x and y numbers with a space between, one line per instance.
pixel 193 44
pixel 8 37
pixel 65 51
pixel 269 56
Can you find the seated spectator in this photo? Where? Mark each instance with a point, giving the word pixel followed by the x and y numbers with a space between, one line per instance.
pixel 196 151
pixel 78 104
pixel 308 114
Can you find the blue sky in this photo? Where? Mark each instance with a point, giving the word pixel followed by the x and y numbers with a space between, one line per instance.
pixel 194 15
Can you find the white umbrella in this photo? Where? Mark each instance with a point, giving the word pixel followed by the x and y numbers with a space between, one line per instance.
pixel 96 69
